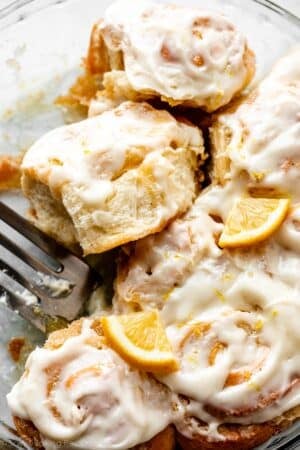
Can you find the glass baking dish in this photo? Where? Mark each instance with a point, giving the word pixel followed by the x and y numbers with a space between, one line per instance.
pixel 41 45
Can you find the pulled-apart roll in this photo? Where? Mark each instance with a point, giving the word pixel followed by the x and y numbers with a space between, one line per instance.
pixel 76 393
pixel 181 55
pixel 113 178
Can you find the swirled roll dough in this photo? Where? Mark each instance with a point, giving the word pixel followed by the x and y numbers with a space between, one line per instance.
pixel 79 394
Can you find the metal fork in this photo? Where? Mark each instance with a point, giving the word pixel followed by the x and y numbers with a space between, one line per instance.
pixel 43 281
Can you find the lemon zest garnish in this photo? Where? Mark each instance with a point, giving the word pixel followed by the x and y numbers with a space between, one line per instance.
pixel 197 34
pixel 227 277
pixel 258 176
pixel 259 325
pixel 254 386
pixel 178 256
pixel 193 358
pixel 55 162
pixel 167 295
pixel 181 324
pixel 220 295
pixel 228 70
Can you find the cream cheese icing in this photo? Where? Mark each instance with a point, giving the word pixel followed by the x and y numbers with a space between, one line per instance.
pixel 182 54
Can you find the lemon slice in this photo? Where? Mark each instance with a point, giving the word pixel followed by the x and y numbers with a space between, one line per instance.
pixel 140 339
pixel 253 220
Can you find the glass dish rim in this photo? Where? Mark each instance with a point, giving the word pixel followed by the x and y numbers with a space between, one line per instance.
pixel 16 6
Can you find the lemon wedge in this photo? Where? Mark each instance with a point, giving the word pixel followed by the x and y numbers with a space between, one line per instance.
pixel 141 340
pixel 253 220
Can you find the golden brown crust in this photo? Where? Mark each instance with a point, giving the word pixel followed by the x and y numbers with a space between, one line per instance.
pixel 235 438
pixel 57 338
pixel 97 60
pixel 15 346
pixel 165 440
pixel 80 93
pixel 89 83
pixel 240 437
pixel 10 172
pixel 27 431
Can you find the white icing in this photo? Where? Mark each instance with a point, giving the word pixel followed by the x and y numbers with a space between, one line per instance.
pixel 184 54
pixel 97 401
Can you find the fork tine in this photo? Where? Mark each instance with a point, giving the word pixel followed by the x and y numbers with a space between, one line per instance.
pixel 16 264
pixel 66 305
pixel 25 228
pixel 9 241
pixel 70 262
pixel 17 301
pixel 30 278
pixel 67 300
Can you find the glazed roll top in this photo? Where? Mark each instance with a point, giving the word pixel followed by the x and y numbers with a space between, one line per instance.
pixel 259 141
pixel 113 178
pixel 183 55
pixel 80 393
